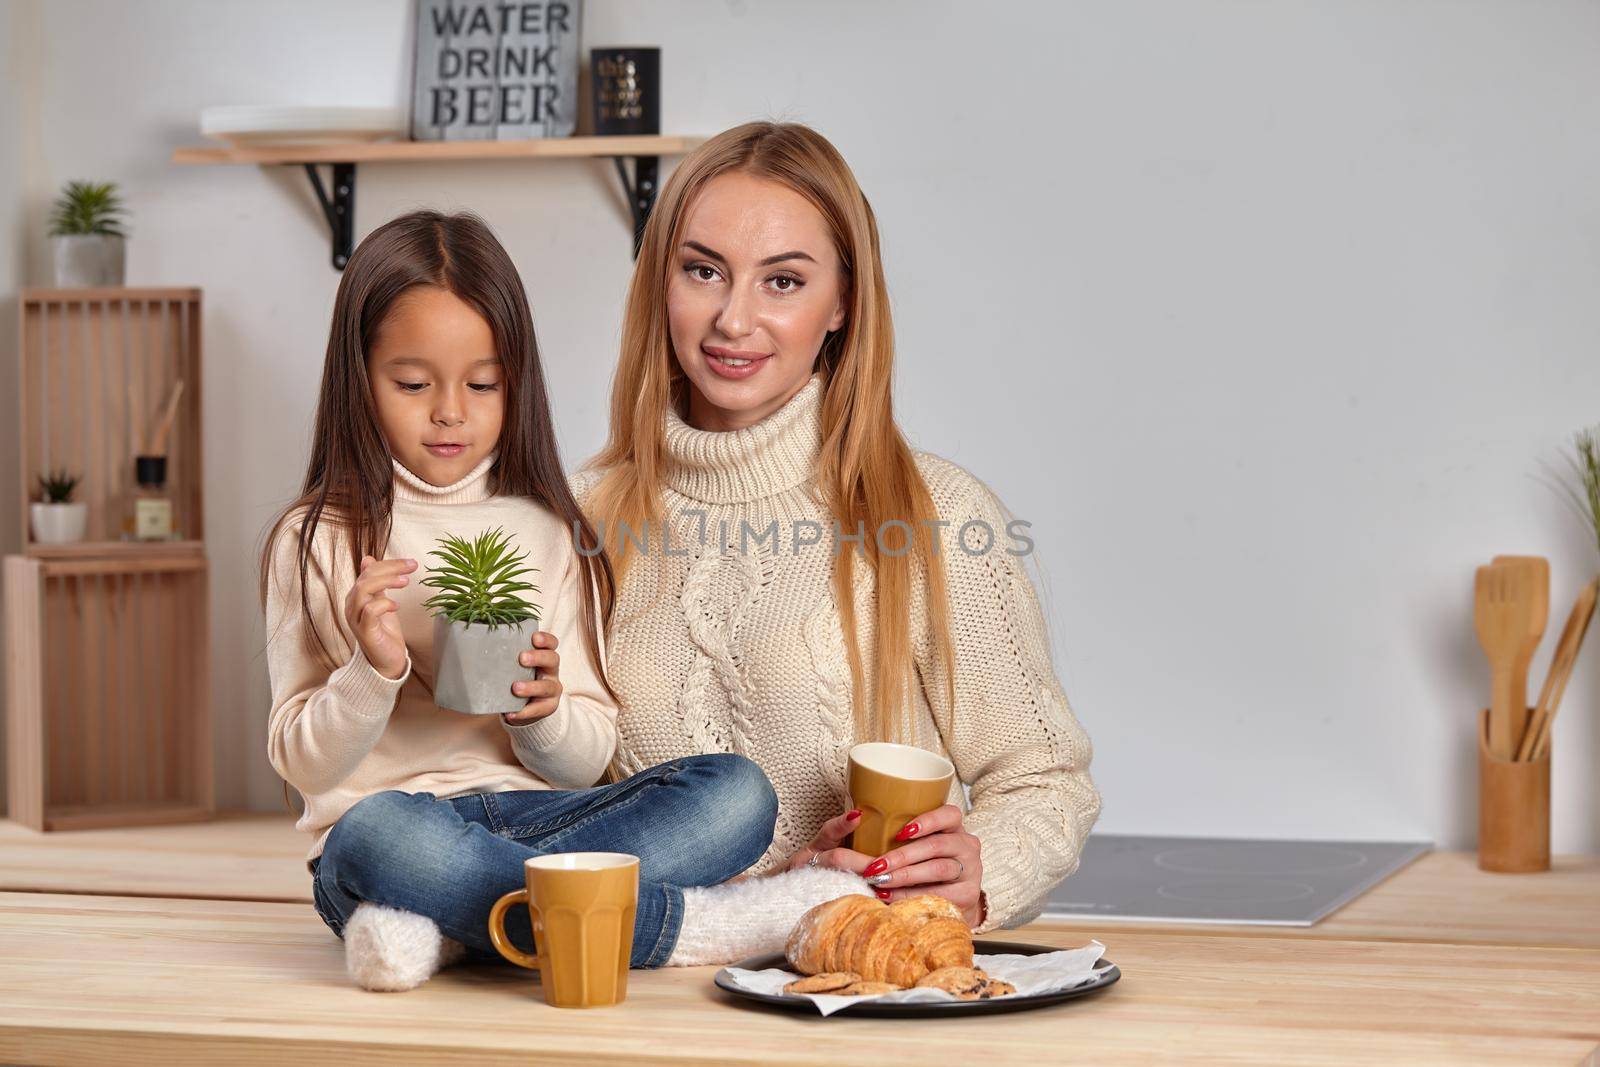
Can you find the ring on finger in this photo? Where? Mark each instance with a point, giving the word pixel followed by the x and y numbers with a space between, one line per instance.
pixel 812 862
pixel 962 871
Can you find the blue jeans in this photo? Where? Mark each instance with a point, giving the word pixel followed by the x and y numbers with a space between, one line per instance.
pixel 694 821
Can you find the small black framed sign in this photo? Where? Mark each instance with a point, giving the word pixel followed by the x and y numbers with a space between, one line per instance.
pixel 627 90
pixel 495 70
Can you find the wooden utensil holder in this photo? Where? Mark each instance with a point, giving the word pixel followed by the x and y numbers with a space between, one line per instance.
pixel 1513 810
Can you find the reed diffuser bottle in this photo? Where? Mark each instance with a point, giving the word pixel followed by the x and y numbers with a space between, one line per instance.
pixel 149 515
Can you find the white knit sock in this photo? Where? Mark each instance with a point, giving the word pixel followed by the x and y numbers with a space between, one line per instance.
pixel 728 922
pixel 389 950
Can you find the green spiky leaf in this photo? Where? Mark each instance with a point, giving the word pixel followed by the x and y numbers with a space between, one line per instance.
pixel 1586 443
pixel 57 486
pixel 87 208
pixel 477 581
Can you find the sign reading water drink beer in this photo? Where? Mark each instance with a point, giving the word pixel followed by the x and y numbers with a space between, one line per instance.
pixel 495 71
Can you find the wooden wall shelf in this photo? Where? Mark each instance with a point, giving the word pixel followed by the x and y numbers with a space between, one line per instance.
pixel 339 205
pixel 436 151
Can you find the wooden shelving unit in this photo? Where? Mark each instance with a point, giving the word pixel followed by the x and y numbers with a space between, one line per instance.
pixel 108 714
pixel 338 205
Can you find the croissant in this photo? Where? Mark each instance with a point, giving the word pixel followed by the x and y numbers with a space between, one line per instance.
pixel 941 936
pixel 899 943
pixel 817 945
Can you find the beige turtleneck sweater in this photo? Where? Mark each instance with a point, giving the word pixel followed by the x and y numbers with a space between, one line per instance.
pixel 744 652
pixel 338 737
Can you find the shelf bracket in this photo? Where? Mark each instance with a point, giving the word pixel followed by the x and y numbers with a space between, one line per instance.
pixel 641 192
pixel 340 208
pixel 340 211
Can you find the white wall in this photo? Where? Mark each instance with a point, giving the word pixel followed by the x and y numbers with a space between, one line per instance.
pixel 1268 316
pixel 19 172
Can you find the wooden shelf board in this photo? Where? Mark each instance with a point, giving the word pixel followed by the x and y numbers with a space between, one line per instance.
pixel 116 550
pixel 104 816
pixel 110 293
pixel 440 151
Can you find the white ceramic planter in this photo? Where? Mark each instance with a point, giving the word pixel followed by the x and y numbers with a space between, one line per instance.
pixel 474 666
pixel 58 524
pixel 89 261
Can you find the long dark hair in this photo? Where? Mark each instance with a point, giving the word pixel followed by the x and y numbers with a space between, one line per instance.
pixel 349 482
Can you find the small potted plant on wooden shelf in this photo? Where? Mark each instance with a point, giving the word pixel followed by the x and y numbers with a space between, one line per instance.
pixel 86 228
pixel 481 623
pixel 58 519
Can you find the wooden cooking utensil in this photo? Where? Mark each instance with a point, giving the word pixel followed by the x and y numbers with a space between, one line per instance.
pixel 1537 738
pixel 1534 574
pixel 1502 630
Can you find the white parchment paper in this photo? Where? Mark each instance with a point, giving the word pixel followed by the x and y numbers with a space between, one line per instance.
pixel 1044 973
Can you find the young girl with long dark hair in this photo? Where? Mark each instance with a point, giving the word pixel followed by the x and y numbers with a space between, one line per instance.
pixel 433 420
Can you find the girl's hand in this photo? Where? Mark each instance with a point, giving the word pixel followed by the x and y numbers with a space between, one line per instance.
pixel 544 692
pixel 828 847
pixel 371 614
pixel 941 859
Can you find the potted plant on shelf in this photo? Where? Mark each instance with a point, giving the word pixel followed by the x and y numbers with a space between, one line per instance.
pixel 58 519
pixel 481 623
pixel 86 229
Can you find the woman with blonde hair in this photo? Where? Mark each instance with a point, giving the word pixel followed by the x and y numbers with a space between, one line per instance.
pixel 792 577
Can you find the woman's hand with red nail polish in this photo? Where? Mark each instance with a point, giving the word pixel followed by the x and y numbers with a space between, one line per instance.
pixel 939 858
pixel 828 848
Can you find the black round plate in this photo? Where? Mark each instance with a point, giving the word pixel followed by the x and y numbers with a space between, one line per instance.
pixel 1108 974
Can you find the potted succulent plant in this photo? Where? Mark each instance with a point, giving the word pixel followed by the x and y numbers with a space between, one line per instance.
pixel 86 228
pixel 58 519
pixel 481 623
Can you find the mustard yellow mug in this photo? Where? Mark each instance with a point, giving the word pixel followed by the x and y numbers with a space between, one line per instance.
pixel 891 785
pixel 582 906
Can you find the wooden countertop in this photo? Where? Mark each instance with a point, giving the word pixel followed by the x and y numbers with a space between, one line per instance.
pixel 91 979
pixel 256 856
pixel 1441 963
pixel 94 978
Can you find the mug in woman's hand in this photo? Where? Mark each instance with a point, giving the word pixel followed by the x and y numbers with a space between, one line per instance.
pixel 892 785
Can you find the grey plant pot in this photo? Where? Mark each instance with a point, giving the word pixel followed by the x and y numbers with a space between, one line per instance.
pixel 474 666
pixel 89 261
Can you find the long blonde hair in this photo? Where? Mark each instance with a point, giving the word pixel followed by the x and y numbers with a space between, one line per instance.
pixel 866 472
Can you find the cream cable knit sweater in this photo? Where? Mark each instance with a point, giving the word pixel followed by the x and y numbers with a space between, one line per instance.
pixel 341 736
pixel 730 646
